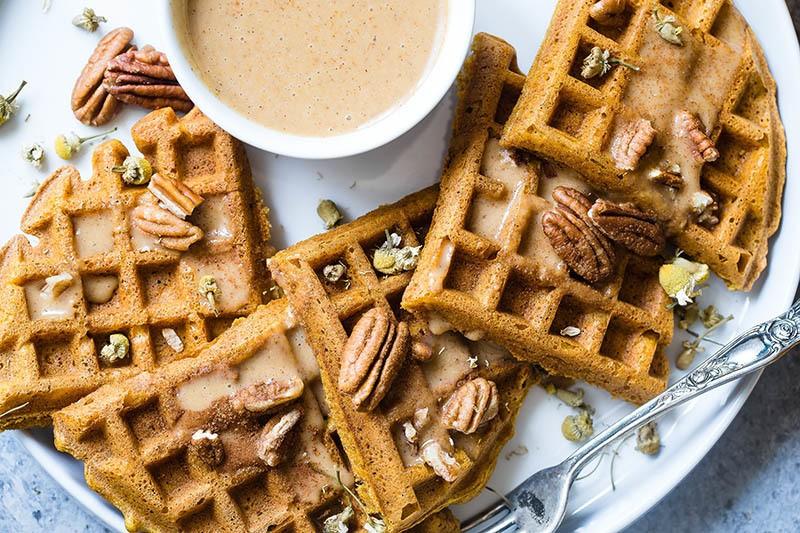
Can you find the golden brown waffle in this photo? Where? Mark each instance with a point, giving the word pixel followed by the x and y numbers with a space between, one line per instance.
pixel 720 73
pixel 49 349
pixel 487 268
pixel 391 476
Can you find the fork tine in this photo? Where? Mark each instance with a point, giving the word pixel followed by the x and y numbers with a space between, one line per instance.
pixel 477 520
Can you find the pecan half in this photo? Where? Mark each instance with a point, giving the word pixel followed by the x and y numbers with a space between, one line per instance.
pixel 275 441
pixel 176 196
pixel 268 394
pixel 471 405
pixel 584 249
pixel 171 231
pixel 629 145
pixel 91 102
pixel 636 230
pixel 689 126
pixel 372 357
pixel 608 12
pixel 444 465
pixel 706 208
pixel 144 78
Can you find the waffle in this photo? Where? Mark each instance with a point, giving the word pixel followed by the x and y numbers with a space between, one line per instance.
pixel 574 121
pixel 49 347
pixel 392 478
pixel 488 270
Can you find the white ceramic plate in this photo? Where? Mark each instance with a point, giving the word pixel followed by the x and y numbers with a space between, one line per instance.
pixel 48 52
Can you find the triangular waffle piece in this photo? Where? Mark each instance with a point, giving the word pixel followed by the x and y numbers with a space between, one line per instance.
pixel 488 270
pixel 386 446
pixel 120 279
pixel 719 74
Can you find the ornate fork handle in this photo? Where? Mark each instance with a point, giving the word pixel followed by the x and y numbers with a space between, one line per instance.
pixel 753 350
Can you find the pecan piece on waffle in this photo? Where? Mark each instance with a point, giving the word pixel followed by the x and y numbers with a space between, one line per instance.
pixel 667 175
pixel 268 394
pixel 92 104
pixel 144 78
pixel 706 208
pixel 176 196
pixel 172 232
pixel 636 230
pixel 444 465
pixel 629 145
pixel 275 441
pixel 372 357
pixel 608 12
pixel 473 404
pixel 584 249
pixel 689 126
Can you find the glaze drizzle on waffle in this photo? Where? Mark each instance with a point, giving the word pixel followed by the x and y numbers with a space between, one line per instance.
pixel 122 280
pixel 718 74
pixel 488 270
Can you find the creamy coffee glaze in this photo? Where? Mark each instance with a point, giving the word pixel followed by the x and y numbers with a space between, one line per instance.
pixel 313 67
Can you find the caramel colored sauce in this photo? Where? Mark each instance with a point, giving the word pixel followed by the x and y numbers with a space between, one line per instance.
pixel 313 67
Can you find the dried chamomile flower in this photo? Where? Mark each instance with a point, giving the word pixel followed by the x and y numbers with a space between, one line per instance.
pixel 116 349
pixel 210 291
pixel 134 170
pixel 667 28
pixel 374 523
pixel 578 428
pixel 7 105
pixel 472 361
pixel 570 331
pixel 549 388
pixel 571 398
pixel 339 523
pixel 599 62
pixel 333 273
pixel 647 439
pixel 67 145
pixel 329 213
pixel 688 315
pixel 691 348
pixel 33 154
pixel 681 279
pixel 88 20
pixel 390 259
pixel 711 317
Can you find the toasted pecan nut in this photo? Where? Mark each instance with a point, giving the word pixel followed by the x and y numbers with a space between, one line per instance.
pixel 91 102
pixel 145 78
pixel 608 12
pixel 172 232
pixel 584 249
pixel 372 357
pixel 689 126
pixel 263 396
pixel 667 175
pixel 176 196
pixel 636 230
pixel 473 404
pixel 443 464
pixel 628 147
pixel 274 444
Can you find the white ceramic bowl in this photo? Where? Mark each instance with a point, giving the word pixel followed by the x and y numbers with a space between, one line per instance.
pixel 428 93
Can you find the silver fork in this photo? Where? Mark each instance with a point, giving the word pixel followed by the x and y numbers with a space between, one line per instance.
pixel 539 503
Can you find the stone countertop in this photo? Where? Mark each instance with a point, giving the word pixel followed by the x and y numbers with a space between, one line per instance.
pixel 747 482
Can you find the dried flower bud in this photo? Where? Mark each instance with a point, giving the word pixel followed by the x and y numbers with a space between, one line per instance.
pixel 410 432
pixel 680 279
pixel 33 154
pixel 578 428
pixel 667 28
pixel 116 349
pixel 329 213
pixel 688 315
pixel 210 291
pixel 571 398
pixel 88 20
pixel 70 144
pixel 339 523
pixel 570 331
pixel 599 62
pixel 333 273
pixel 687 355
pixel 390 259
pixel 7 105
pixel 134 170
pixel 647 439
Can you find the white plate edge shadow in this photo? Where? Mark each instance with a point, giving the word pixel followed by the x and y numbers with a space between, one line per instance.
pixel 730 398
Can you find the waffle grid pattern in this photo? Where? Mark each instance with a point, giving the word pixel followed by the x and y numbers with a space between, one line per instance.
pixel 403 495
pixel 501 287
pixel 569 119
pixel 137 457
pixel 48 362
